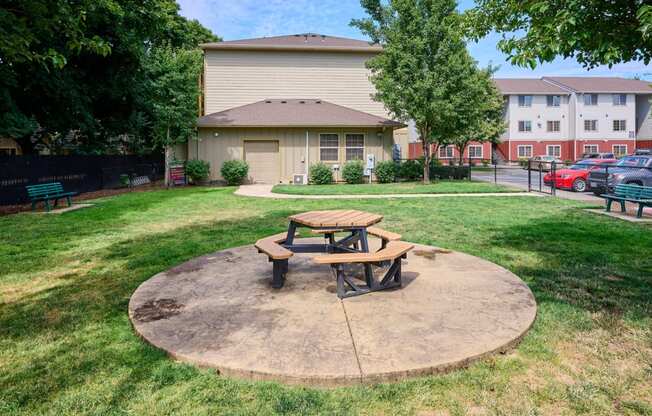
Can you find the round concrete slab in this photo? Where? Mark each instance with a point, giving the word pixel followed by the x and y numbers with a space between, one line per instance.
pixel 220 311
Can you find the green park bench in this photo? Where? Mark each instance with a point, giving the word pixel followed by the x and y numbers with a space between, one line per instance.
pixel 641 195
pixel 47 192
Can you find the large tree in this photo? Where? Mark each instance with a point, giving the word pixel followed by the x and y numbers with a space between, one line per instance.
pixel 592 31
pixel 423 71
pixel 78 66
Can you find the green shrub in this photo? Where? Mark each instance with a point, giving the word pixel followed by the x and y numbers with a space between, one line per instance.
pixel 485 163
pixel 386 171
pixel 320 174
pixel 197 170
pixel 234 171
pixel 353 172
pixel 411 170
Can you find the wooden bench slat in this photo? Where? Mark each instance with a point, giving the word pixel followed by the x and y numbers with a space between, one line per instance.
pixel 271 246
pixel 384 234
pixel 393 250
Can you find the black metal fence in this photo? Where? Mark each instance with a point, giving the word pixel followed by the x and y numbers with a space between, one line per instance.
pixel 76 173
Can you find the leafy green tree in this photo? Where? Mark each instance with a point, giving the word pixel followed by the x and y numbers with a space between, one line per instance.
pixel 592 31
pixel 422 73
pixel 480 112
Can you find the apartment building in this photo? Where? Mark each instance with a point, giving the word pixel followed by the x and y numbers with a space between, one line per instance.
pixel 568 116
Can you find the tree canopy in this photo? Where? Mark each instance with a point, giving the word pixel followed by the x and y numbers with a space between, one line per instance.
pixel 425 72
pixel 75 71
pixel 592 31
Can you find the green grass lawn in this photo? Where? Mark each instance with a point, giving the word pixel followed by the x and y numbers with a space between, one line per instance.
pixel 67 346
pixel 439 187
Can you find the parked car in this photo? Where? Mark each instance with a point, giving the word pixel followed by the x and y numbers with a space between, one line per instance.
pixel 634 169
pixel 599 155
pixel 575 177
pixel 544 162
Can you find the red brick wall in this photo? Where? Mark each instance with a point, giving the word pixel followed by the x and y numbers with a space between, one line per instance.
pixel 644 144
pixel 570 150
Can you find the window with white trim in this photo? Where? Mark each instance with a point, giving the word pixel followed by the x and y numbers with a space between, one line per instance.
pixel 620 125
pixel 446 152
pixel 329 145
pixel 590 148
pixel 553 100
pixel 354 146
pixel 525 101
pixel 524 150
pixel 525 126
pixel 619 99
pixel 553 150
pixel 590 125
pixel 553 126
pixel 475 151
pixel 619 150
pixel 590 99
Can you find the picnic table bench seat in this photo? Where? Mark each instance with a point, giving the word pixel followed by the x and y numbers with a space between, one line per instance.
pixel 641 195
pixel 277 254
pixel 47 192
pixel 393 252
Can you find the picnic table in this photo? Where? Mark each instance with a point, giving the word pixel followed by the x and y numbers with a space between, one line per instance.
pixel 352 248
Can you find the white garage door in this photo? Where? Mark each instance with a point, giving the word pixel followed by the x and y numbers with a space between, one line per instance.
pixel 264 161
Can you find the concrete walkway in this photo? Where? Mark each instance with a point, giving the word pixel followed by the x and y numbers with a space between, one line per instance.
pixel 265 191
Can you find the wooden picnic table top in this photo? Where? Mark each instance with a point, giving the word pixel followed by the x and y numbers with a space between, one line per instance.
pixel 337 218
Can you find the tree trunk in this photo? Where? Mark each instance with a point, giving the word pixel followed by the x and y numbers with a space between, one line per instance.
pixel 461 150
pixel 426 162
pixel 167 159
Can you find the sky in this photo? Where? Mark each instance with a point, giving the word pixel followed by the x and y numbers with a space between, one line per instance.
pixel 241 19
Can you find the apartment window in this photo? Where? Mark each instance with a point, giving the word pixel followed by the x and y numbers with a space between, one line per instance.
pixel 354 146
pixel 475 151
pixel 553 100
pixel 446 152
pixel 590 99
pixel 329 147
pixel 553 126
pixel 525 101
pixel 620 125
pixel 590 125
pixel 524 151
pixel 554 150
pixel 619 150
pixel 620 99
pixel 525 126
pixel 590 148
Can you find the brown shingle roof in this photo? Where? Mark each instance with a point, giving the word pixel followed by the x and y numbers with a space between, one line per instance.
pixel 300 41
pixel 527 86
pixel 603 84
pixel 294 113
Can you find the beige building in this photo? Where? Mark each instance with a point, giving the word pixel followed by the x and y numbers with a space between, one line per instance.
pixel 283 103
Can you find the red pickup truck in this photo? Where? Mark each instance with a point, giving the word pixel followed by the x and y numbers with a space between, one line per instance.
pixel 575 176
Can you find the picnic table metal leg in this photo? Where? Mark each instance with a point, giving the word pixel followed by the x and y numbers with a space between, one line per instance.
pixel 279 270
pixel 292 229
pixel 622 206
pixel 639 213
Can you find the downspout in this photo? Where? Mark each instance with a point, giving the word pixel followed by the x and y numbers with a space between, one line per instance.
pixel 307 158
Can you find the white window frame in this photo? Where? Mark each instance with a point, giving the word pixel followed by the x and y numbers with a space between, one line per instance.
pixel 550 100
pixel 619 99
pixel 524 130
pixel 590 148
pixel 525 102
pixel 591 103
pixel 475 146
pixel 445 149
pixel 553 146
pixel 329 147
pixel 346 146
pixel 524 146
pixel 589 121
pixel 618 154
pixel 553 121
pixel 622 125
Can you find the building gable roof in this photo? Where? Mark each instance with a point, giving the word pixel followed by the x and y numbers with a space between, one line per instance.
pixel 299 42
pixel 602 84
pixel 294 113
pixel 527 86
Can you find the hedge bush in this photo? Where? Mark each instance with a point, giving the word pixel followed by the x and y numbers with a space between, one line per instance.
pixel 353 172
pixel 234 171
pixel 411 170
pixel 320 174
pixel 386 171
pixel 197 170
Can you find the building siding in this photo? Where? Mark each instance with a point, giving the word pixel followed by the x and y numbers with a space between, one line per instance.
pixel 234 78
pixel 643 117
